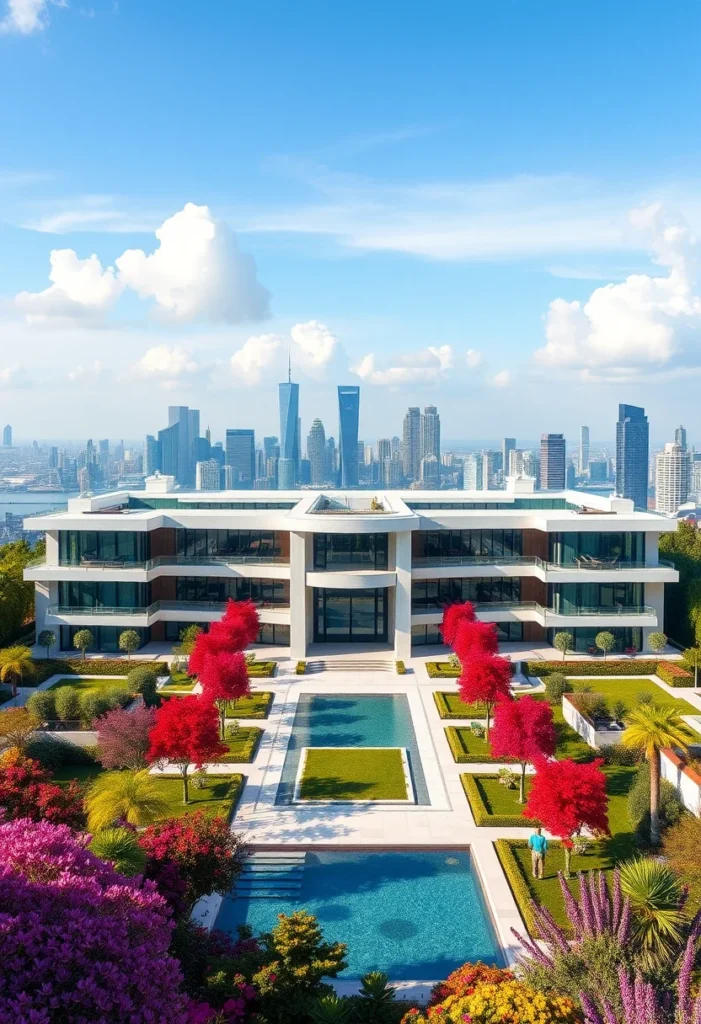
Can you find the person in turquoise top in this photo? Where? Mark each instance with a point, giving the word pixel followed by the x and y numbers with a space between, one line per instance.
pixel 538 845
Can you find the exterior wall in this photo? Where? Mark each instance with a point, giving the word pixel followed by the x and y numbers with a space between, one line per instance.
pixel 298 595
pixel 163 542
pixel 402 598
pixel 535 542
pixel 686 781
pixel 654 597
pixel 596 738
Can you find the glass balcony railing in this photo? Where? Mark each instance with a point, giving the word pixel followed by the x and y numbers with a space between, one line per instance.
pixel 436 561
pixel 160 560
pixel 520 606
pixel 156 606
pixel 602 611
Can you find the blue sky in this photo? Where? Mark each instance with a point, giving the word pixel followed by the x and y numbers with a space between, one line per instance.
pixel 407 196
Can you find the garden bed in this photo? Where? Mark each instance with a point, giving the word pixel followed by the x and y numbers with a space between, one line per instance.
pixel 85 685
pixel 628 690
pixel 442 670
pixel 242 747
pixel 492 804
pixel 220 795
pixel 262 670
pixel 468 748
pixel 44 668
pixel 256 705
pixel 451 706
pixel 348 774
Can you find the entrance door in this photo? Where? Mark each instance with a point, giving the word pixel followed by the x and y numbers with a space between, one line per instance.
pixel 350 616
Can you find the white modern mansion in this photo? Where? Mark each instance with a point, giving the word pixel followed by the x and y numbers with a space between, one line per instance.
pixel 366 567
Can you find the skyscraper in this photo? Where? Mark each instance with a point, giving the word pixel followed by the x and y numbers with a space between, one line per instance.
pixel 508 445
pixel 632 454
pixel 348 419
pixel 431 432
pixel 411 443
pixel 672 478
pixel 152 460
pixel 178 444
pixel 208 476
pixel 490 462
pixel 288 466
pixel 430 473
pixel 7 436
pixel 552 462
pixel 316 454
pixel 472 471
pixel 241 457
pixel 384 449
pixel 583 451
pixel 679 437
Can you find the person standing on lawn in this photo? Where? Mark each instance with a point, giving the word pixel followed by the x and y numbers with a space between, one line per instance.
pixel 538 846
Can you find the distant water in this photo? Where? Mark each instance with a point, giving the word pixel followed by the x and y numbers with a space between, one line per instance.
pixel 27 503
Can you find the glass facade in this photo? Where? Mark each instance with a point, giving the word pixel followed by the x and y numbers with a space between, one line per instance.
pixel 350 550
pixel 423 636
pixel 517 503
pixel 627 638
pixel 155 503
pixel 570 597
pixel 466 543
pixel 350 616
pixel 106 637
pixel 236 543
pixel 270 634
pixel 597 550
pixel 212 590
pixel 80 547
pixel 434 595
pixel 348 415
pixel 89 594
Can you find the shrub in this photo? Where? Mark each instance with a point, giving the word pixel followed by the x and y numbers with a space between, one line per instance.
pixel 26 791
pixel 673 674
pixel 639 802
pixel 67 703
pixel 610 667
pixel 503 1002
pixel 117 696
pixel 261 669
pixel 442 670
pixel 619 709
pixel 656 641
pixel 300 668
pixel 143 680
pixel 617 754
pixel 82 640
pixel 43 705
pixel 555 686
pixel 461 754
pixel 17 725
pixel 92 705
pixel 55 753
pixel 463 981
pixel 123 737
pixel 401 668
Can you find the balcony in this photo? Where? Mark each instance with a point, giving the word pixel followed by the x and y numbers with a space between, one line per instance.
pixel 437 561
pixel 531 611
pixel 266 566
pixel 145 615
pixel 604 570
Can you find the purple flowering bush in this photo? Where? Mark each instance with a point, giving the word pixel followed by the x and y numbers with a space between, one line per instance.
pixel 80 943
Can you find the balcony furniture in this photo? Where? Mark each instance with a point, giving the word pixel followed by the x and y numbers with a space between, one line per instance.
pixel 99 563
pixel 589 562
pixel 631 651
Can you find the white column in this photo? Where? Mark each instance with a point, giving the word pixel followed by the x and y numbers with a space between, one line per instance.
pixel 298 595
pixel 652 554
pixel 52 547
pixel 654 597
pixel 402 599
pixel 45 594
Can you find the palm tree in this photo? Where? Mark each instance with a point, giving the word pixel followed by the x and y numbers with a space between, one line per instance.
pixel 119 846
pixel 651 728
pixel 656 899
pixel 15 663
pixel 131 796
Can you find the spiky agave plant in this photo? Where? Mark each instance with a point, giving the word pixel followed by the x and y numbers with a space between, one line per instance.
pixel 330 1010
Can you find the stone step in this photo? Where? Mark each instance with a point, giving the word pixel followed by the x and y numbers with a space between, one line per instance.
pixel 351 665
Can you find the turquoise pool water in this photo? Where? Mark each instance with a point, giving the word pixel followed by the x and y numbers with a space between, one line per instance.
pixel 377 720
pixel 415 915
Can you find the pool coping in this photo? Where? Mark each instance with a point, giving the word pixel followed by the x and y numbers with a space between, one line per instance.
pixel 408 781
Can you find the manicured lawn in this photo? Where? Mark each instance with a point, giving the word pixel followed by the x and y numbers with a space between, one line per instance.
pixel 497 798
pixel 492 804
pixel 467 748
pixel 627 690
pixel 256 706
pixel 219 795
pixel 602 855
pixel 353 774
pixel 180 682
pixel 242 748
pixel 451 706
pixel 84 685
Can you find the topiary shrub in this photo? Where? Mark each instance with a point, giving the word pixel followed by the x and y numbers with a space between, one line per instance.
pixel 67 703
pixel 118 696
pixel 401 668
pixel 42 703
pixel 673 674
pixel 143 680
pixel 556 686
pixel 92 705
pixel 55 753
pixel 671 809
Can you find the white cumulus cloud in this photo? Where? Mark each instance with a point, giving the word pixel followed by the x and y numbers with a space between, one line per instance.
pixel 25 17
pixel 428 365
pixel 642 323
pixel 13 377
pixel 473 358
pixel 501 379
pixel 167 365
pixel 197 271
pixel 79 289
pixel 314 347
pixel 257 354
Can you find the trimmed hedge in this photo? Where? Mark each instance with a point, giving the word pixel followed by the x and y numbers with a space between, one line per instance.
pixel 610 667
pixel 262 669
pixel 248 738
pixel 673 674
pixel 461 755
pixel 442 670
pixel 44 668
pixel 300 668
pixel 401 668
pixel 54 754
pixel 517 882
pixel 480 812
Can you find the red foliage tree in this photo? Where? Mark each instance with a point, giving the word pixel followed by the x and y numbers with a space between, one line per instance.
pixel 123 737
pixel 186 732
pixel 486 679
pixel 567 797
pixel 474 639
pixel 523 729
pixel 26 791
pixel 453 615
pixel 237 629
pixel 224 678
pixel 205 647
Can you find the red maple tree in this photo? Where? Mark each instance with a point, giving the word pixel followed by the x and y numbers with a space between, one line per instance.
pixel 474 639
pixel 523 729
pixel 566 797
pixel 453 616
pixel 237 628
pixel 224 678
pixel 186 732
pixel 485 679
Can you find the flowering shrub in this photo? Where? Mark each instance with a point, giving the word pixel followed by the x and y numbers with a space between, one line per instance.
pixel 80 942
pixel 27 792
pixel 206 852
pixel 505 1002
pixel 463 981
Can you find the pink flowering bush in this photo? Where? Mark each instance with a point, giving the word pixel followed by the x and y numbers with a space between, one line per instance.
pixel 80 943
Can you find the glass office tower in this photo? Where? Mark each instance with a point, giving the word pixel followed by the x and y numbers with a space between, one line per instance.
pixel 632 454
pixel 348 417
pixel 241 457
pixel 288 466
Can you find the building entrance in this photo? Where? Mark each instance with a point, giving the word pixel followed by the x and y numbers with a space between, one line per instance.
pixel 348 616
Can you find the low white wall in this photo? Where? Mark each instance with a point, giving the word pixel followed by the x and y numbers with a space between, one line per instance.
pixel 81 737
pixel 686 781
pixel 596 738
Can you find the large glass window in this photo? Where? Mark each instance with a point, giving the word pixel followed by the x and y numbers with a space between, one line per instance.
pixel 346 616
pixel 231 543
pixel 271 634
pixel 596 550
pixel 628 638
pixel 571 597
pixel 423 636
pixel 106 638
pixel 434 595
pixel 111 594
pixel 80 547
pixel 350 550
pixel 447 545
pixel 209 589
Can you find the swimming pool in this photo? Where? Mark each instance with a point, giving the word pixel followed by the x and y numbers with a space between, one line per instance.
pixel 340 720
pixel 415 914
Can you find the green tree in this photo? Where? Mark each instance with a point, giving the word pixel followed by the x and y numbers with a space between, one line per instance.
pixel 657 642
pixel 42 703
pixel 129 641
pixel 657 903
pixel 605 641
pixel 119 846
pixel 692 657
pixel 67 703
pixel 15 664
pixel 563 643
pixel 133 797
pixel 188 639
pixel 82 640
pixel 650 729
pixel 46 639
